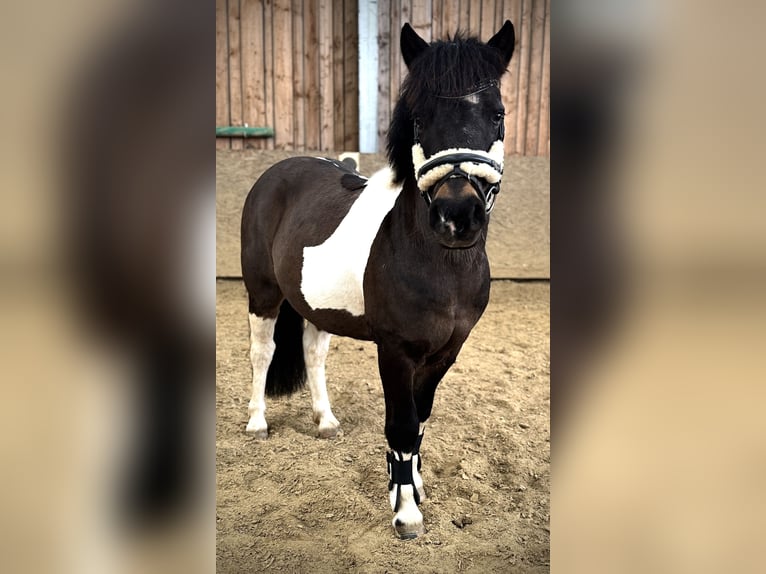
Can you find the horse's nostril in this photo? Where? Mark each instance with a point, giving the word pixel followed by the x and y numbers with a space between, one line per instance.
pixel 398 522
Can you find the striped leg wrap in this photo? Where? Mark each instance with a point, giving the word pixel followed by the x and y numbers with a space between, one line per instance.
pixel 400 471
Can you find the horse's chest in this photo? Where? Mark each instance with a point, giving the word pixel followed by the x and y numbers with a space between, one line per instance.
pixel 332 275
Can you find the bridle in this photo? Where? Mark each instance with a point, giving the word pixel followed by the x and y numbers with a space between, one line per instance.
pixel 473 165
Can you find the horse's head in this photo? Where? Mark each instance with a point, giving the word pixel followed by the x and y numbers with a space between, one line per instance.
pixel 447 129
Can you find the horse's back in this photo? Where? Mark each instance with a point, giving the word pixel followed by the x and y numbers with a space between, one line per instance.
pixel 301 193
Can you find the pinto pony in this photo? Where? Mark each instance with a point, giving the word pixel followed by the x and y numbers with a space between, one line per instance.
pixel 398 259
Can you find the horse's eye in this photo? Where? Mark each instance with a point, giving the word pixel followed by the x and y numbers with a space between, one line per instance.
pixel 499 117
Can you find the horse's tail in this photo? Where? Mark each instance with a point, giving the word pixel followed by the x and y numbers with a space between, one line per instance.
pixel 287 371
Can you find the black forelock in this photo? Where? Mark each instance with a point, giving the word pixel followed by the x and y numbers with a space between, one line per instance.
pixel 448 68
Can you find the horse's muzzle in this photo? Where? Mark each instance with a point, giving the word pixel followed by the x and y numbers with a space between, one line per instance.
pixel 457 213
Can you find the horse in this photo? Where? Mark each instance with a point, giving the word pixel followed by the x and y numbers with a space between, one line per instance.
pixel 398 258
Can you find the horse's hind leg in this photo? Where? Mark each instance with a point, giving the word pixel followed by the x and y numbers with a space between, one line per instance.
pixel 316 343
pixel 261 352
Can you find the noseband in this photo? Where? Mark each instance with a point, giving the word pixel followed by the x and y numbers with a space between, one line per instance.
pixel 470 164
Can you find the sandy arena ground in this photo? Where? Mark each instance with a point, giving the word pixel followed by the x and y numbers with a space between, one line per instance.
pixel 295 503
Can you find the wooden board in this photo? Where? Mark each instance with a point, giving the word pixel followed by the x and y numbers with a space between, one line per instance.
pixel 311 73
pixel 299 91
pixel 543 136
pixel 384 71
pixel 326 83
pixel 235 71
pixel 268 59
pixel 283 76
pixel 510 83
pixel 535 77
pixel 524 52
pixel 253 96
pixel 221 70
pixel 350 76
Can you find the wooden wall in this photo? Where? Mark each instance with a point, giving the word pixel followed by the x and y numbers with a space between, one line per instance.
pixel 292 65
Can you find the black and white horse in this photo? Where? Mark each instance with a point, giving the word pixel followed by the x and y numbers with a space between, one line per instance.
pixel 398 258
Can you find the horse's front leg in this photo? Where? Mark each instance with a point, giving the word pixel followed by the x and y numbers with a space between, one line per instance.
pixel 402 428
pixel 425 381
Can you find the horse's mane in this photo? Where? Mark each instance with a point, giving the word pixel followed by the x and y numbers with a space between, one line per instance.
pixel 451 67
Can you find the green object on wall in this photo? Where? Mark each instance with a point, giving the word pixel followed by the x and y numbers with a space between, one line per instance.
pixel 243 132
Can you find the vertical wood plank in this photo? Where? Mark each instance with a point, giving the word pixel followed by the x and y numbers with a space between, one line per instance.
pixel 268 66
pixel 337 73
pixel 545 93
pixel 311 73
pixel 437 31
pixel 283 75
pixel 464 16
pixel 422 18
pixel 351 75
pixel 524 57
pixel 253 101
pixel 474 18
pixel 326 84
pixel 487 26
pixel 406 16
pixel 450 17
pixel 299 91
pixel 396 57
pixel 384 72
pixel 535 77
pixel 510 84
pixel 221 70
pixel 500 16
pixel 235 71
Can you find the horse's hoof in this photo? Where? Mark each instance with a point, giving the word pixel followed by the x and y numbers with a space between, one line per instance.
pixel 409 531
pixel 328 432
pixel 257 433
pixel 328 425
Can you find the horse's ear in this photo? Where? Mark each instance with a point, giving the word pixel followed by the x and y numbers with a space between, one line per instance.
pixel 504 40
pixel 412 44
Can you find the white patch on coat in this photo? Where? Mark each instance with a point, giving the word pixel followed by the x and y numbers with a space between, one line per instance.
pixel 316 343
pixel 496 153
pixel 333 272
pixel 261 352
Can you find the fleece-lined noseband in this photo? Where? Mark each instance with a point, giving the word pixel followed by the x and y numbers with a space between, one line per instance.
pixel 471 164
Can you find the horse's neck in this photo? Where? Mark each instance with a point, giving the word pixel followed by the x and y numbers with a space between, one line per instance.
pixel 411 215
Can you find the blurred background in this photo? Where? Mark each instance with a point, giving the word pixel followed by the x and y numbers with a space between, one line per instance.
pixel 658 288
pixel 107 281
pixel 107 258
